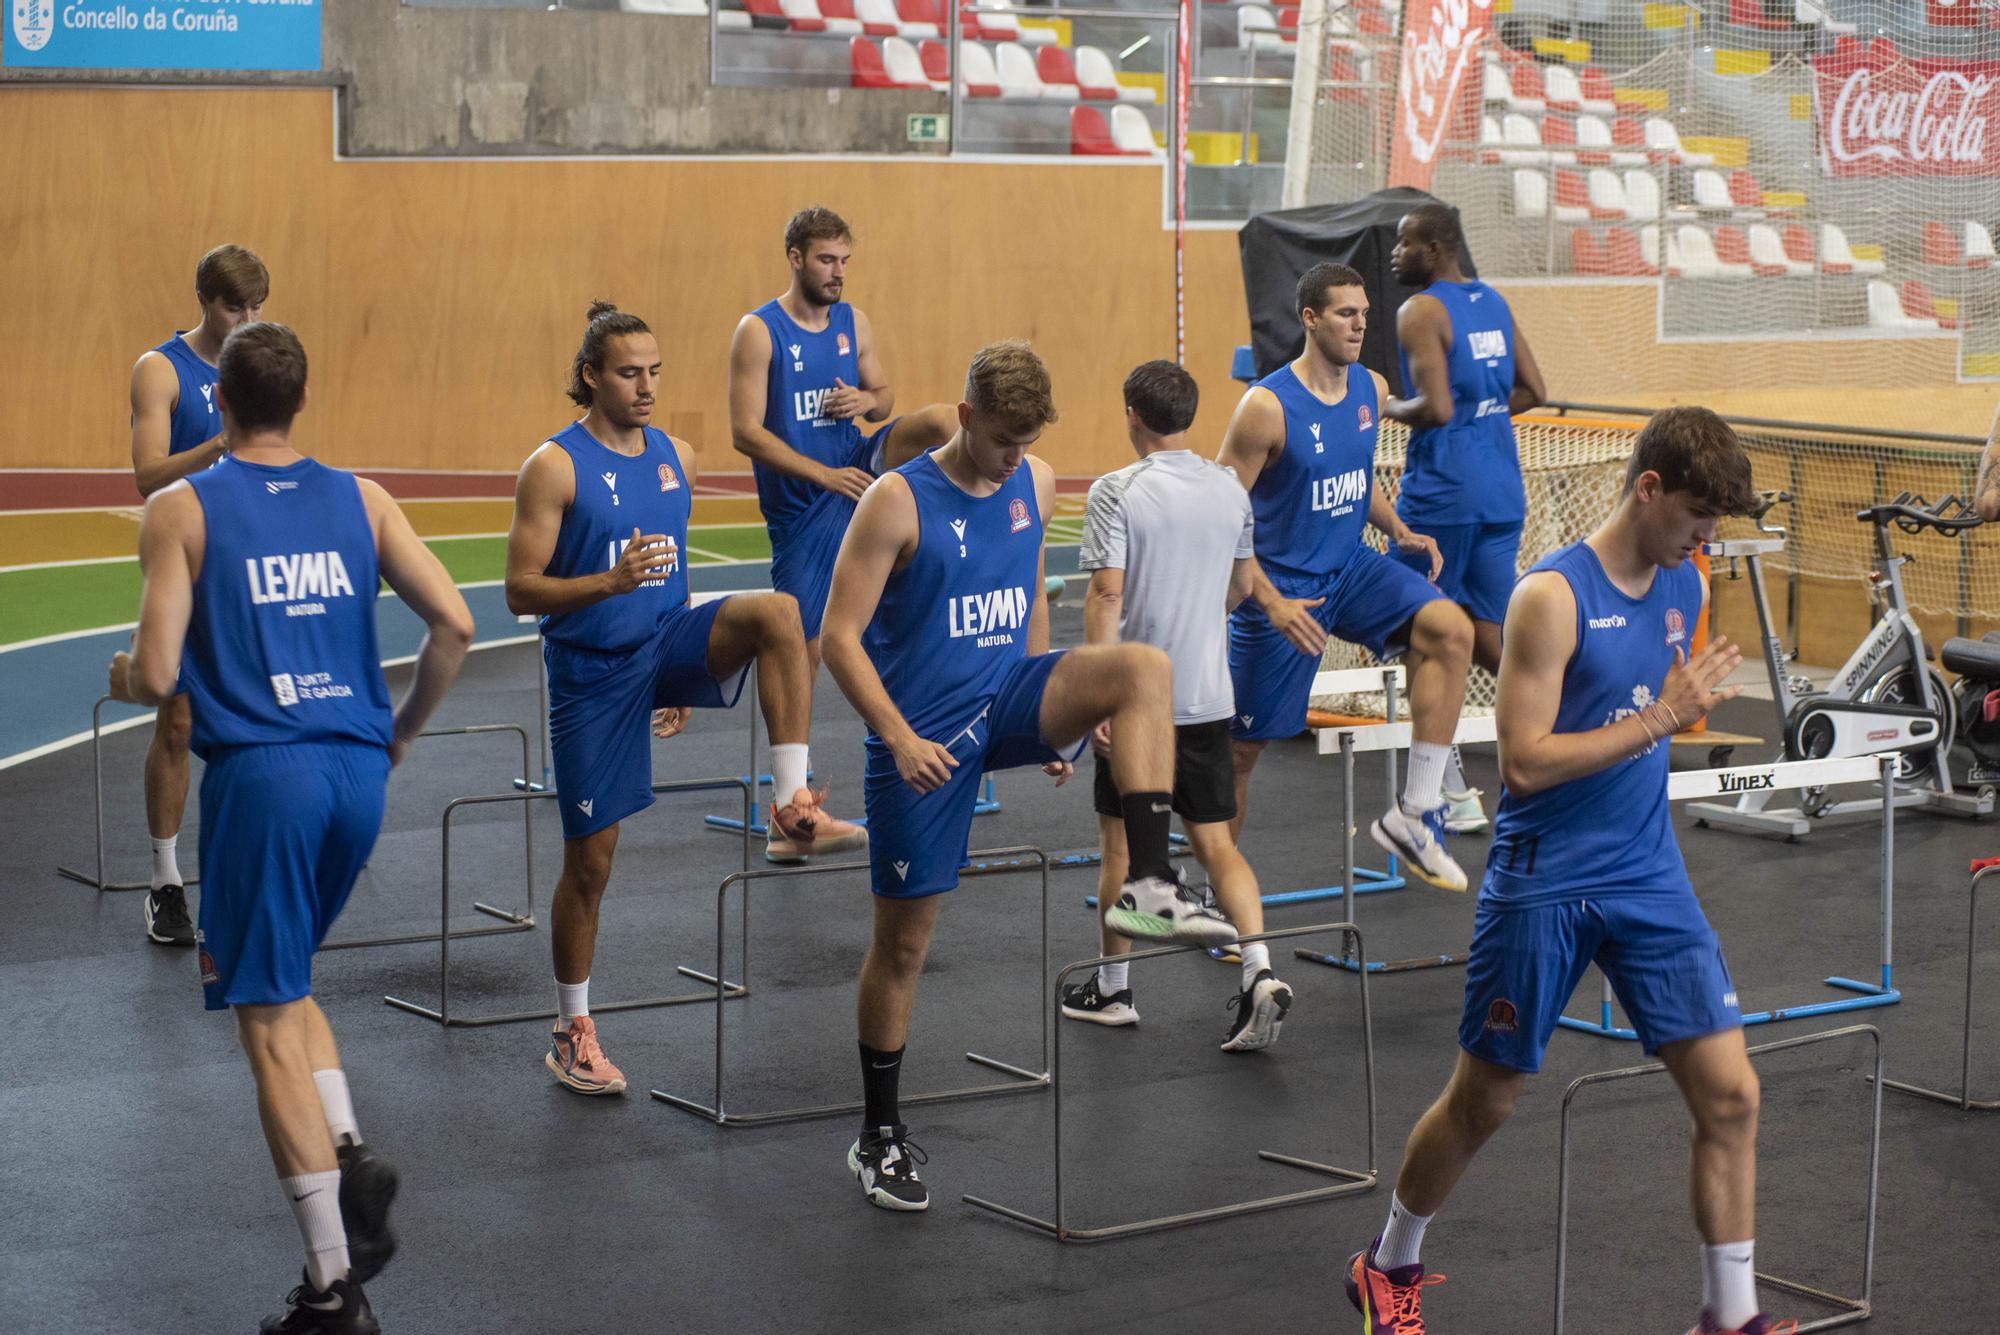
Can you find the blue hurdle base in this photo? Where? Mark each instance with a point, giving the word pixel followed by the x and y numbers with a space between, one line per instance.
pixel 1872 996
pixel 987 804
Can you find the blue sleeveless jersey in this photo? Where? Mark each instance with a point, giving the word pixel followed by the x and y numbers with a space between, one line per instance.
pixel 804 366
pixel 616 493
pixel 1468 471
pixel 281 644
pixel 955 618
pixel 195 417
pixel 1311 502
pixel 1609 831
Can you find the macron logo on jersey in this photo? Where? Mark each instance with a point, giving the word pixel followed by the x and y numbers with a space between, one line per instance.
pixel 208 397
pixel 797 365
pixel 1318 448
pixel 989 618
pixel 1487 344
pixel 1341 492
pixel 1612 622
pixel 298 580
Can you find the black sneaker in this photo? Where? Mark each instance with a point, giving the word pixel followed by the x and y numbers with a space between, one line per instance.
pixel 1168 912
pixel 367 1185
pixel 167 920
pixel 1260 1012
pixel 885 1160
pixel 1083 1001
pixel 341 1310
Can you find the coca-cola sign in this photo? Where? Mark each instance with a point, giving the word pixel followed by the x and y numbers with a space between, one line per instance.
pixel 1443 42
pixel 1909 118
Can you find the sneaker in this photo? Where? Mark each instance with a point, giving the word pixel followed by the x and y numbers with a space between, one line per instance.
pixel 1418 839
pixel 1756 1325
pixel 885 1161
pixel 1390 1301
pixel 578 1062
pixel 1463 813
pixel 167 920
pixel 1082 1001
pixel 367 1185
pixel 1167 912
pixel 800 827
pixel 341 1310
pixel 1260 1012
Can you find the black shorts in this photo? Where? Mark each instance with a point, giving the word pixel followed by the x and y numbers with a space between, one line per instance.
pixel 1204 776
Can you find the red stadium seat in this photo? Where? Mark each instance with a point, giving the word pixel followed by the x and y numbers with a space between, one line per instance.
pixel 1371 24
pixel 1733 247
pixel 1751 14
pixel 1089 136
pixel 1058 72
pixel 864 60
pixel 1941 246
pixel 1526 82
pixel 937 63
pixel 1624 256
pixel 1573 193
pixel 1744 192
pixel 1596 85
pixel 1586 256
pixel 1800 248
pixel 916 14
pixel 1917 303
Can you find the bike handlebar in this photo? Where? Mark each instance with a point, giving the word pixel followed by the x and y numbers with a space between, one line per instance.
pixel 1911 513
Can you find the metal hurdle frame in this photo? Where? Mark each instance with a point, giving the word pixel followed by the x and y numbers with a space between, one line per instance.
pixel 527 783
pixel 442 1014
pixel 1780 776
pixel 718 1113
pixel 1852 1310
pixel 1963 1100
pixel 1353 1180
pixel 511 922
pixel 98 882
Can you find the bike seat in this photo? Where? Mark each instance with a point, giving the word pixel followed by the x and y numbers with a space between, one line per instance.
pixel 1972 658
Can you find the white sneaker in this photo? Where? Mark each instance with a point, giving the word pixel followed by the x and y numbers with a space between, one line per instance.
pixel 1418 840
pixel 1463 813
pixel 1166 913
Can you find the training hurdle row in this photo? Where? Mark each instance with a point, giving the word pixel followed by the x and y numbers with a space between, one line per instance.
pixel 97 881
pixel 1983 870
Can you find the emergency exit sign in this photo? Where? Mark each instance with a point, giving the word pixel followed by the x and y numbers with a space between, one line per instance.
pixel 929 129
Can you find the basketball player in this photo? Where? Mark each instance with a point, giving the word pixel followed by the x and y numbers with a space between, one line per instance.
pixel 261 574
pixel 1595 677
pixel 1167 542
pixel 176 431
pixel 1986 494
pixel 1468 370
pixel 1302 442
pixel 600 522
pixel 937 632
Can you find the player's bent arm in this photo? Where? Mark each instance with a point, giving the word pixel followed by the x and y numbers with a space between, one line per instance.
pixel 1255 436
pixel 421 581
pixel 172 537
pixel 1529 391
pixel 749 388
pixel 883 529
pixel 874 381
pixel 1986 495
pixel 154 389
pixel 542 493
pixel 1103 604
pixel 919 432
pixel 1537 642
pixel 1423 328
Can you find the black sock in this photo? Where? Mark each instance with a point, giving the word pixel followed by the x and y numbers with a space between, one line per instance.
pixel 1146 820
pixel 880 1072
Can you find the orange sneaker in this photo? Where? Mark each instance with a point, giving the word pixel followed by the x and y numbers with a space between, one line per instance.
pixel 577 1060
pixel 800 827
pixel 1390 1301
pixel 1756 1325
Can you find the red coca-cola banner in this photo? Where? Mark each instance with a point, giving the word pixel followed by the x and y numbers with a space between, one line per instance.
pixel 1437 91
pixel 1891 116
pixel 1952 13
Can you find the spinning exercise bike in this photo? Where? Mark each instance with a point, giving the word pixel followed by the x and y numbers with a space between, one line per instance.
pixel 1886 697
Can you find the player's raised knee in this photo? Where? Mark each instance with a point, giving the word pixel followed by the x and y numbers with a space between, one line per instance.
pixel 1443 630
pixel 1145 667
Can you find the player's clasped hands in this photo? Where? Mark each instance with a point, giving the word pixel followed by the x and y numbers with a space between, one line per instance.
pixel 651 556
pixel 926 766
pixel 1694 685
pixel 842 401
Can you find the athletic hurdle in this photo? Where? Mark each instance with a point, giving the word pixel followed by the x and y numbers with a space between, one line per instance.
pixel 525 783
pixel 442 1014
pixel 718 1113
pixel 1702 783
pixel 1851 1310
pixel 1352 1179
pixel 97 882
pixel 1963 1100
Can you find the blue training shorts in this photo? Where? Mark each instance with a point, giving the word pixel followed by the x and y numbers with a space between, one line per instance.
pixel 802 556
pixel 1370 601
pixel 601 707
pixel 285 830
pixel 1656 947
pixel 1479 561
pixel 918 841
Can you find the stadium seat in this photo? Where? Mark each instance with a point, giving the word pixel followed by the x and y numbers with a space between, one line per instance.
pixel 1598 93
pixel 1005 27
pixel 1694 255
pixel 1811 12
pixel 1371 24
pixel 804 15
pixel 1649 251
pixel 1586 255
pixel 905 67
pixel 1625 256
pixel 1941 246
pixel 1607 194
pixel 1256 27
pixel 1525 90
pixel 1711 193
pixel 1496 88
pixel 1919 306
pixel 732 19
pixel 1751 14
pixel 839 16
pixel 1628 138
pixel 976 72
pixel 1131 132
pixel 937 64
pixel 865 66
pixel 920 18
pixel 1732 247
pixel 1662 137
pixel 1089 136
pixel 1523 142
pixel 1558 134
pixel 1531 195
pixel 1489 141
pixel 1098 79
pixel 1800 249
pixel 1642 196
pixel 1058 74
pixel 1838 258
pixel 1560 89
pixel 1979 253
pixel 878 17
pixel 1018 77
pixel 773 11
pixel 976 23
pixel 1744 192
pixel 1574 200
pixel 685 7
pixel 1885 310
pixel 1767 250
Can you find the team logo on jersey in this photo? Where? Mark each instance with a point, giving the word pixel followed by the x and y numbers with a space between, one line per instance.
pixel 1341 492
pixel 1487 344
pixel 585 806
pixel 1017 515
pixel 1501 1017
pixel 902 870
pixel 34 23
pixel 209 973
pixel 1318 448
pixel 1248 720
pixel 1363 419
pixel 282 688
pixel 797 365
pixel 668 482
pixel 841 340
pixel 988 618
pixel 1676 626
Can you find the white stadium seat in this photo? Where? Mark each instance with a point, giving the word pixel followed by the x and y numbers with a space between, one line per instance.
pixel 1767 247
pixel 1979 243
pixel 1495 88
pixel 1018 75
pixel 1523 142
pixel 1094 70
pixel 1833 250
pixel 1642 196
pixel 686 7
pixel 1711 193
pixel 1008 23
pixel 1531 195
pixel 1607 191
pixel 1130 131
pixel 1697 255
pixel 1885 310
pixel 1662 137
pixel 976 73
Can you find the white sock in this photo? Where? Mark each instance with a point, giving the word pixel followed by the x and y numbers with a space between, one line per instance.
pixel 1454 774
pixel 1256 959
pixel 1402 1236
pixel 1729 1283
pixel 1423 786
pixel 1111 978
pixel 572 1000
pixel 333 1097
pixel 788 770
pixel 315 1202
pixel 166 870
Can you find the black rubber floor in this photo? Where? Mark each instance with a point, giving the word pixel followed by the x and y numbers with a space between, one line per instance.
pixel 139 1197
